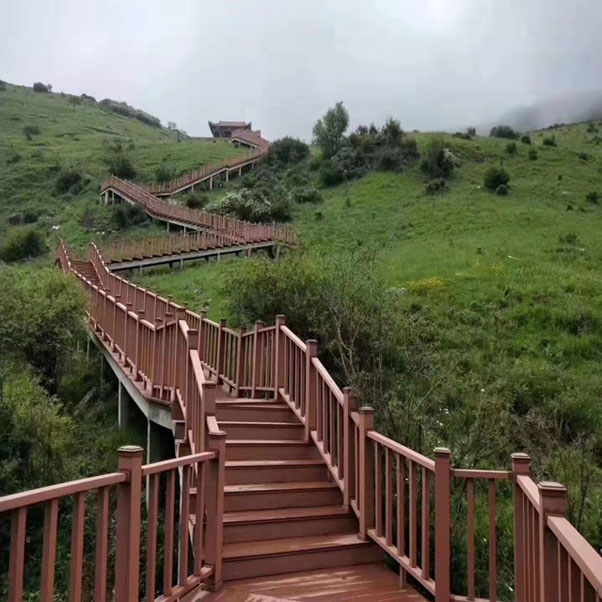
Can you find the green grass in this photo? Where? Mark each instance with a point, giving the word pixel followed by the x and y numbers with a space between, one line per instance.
pixel 78 139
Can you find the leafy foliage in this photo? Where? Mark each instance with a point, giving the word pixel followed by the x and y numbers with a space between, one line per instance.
pixel 257 204
pixel 503 131
pixel 329 130
pixel 494 177
pixel 40 87
pixel 438 161
pixel 288 151
pixel 23 243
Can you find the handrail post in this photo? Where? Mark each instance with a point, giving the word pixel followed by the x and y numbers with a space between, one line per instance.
pixel 310 387
pixel 520 466
pixel 202 334
pixel 278 355
pixel 127 558
pixel 348 446
pixel 208 394
pixel 215 509
pixel 139 318
pixel 239 362
pixel 256 358
pixel 442 524
pixel 219 361
pixel 366 476
pixel 552 502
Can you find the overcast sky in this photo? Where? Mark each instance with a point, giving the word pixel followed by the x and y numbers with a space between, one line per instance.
pixel 433 64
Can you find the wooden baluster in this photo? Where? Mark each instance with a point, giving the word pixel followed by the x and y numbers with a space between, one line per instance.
pixel 401 516
pixel 153 517
pixel 366 472
pixel 17 554
pixel 388 497
pixel 201 485
pixel 425 523
pixel 492 544
pixel 552 502
pixel 169 533
pixel 49 551
pixel 77 548
pixel 413 517
pixel 470 537
pixel 127 559
pixel 442 524
pixel 184 519
pixel 378 490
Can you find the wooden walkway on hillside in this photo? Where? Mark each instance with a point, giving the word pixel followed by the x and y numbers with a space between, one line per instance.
pixel 362 583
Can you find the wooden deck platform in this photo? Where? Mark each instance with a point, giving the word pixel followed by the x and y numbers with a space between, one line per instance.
pixel 361 583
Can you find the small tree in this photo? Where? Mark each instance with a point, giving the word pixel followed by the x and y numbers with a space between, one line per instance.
pixel 40 87
pixel 75 100
pixel 328 132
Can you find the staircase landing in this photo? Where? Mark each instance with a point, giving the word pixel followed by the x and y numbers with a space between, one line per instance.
pixel 361 583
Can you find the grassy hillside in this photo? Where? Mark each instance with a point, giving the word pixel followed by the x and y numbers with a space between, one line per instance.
pixel 503 293
pixel 78 138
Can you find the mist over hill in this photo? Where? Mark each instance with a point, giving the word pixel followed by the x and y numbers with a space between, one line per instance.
pixel 574 108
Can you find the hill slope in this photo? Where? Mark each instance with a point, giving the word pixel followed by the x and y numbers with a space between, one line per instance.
pixel 79 138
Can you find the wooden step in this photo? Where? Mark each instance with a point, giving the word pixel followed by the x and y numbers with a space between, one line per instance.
pixel 274 471
pixel 262 430
pixel 274 556
pixel 260 449
pixel 252 525
pixel 254 412
pixel 263 496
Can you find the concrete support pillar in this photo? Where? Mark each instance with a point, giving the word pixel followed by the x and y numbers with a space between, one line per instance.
pixel 240 171
pixel 227 175
pixel 153 442
pixel 167 226
pixel 102 368
pixel 211 183
pixel 123 410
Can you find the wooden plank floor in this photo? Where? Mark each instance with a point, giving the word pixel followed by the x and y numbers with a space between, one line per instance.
pixel 362 583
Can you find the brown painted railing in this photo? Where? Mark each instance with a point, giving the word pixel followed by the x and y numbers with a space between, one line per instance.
pixel 172 244
pixel 126 489
pixel 247 231
pixel 403 499
pixel 203 173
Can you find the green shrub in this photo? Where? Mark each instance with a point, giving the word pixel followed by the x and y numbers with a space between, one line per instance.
pixel 592 197
pixel 40 87
pixel 549 140
pixel 3 86
pixel 494 177
pixel 503 131
pixel 532 155
pixel 502 190
pixel 583 156
pixel 438 161
pixel 165 172
pixel 13 157
pixel 307 194
pixel 436 185
pixel 30 131
pixel 526 139
pixel 22 243
pixel 126 215
pixel 461 135
pixel 121 166
pixel 511 148
pixel 69 180
pixel 330 174
pixel 195 201
pixel 592 129
pixel 259 204
pixel 288 151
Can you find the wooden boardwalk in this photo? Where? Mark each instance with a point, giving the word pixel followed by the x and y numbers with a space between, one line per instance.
pixel 284 489
pixel 362 583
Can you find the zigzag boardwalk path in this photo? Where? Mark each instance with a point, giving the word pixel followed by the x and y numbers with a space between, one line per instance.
pixel 281 489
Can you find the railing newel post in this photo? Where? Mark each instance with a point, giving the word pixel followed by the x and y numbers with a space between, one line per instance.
pixel 129 494
pixel 256 357
pixel 521 466
pixel 239 361
pixel 366 476
pixel 215 508
pixel 278 355
pixel 552 502
pixel 219 363
pixel 442 524
pixel 310 387
pixel 349 475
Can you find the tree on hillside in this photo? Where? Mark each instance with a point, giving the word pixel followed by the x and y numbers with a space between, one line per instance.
pixel 328 131
pixel 75 100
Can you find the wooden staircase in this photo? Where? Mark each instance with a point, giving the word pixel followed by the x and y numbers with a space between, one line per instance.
pixel 282 512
